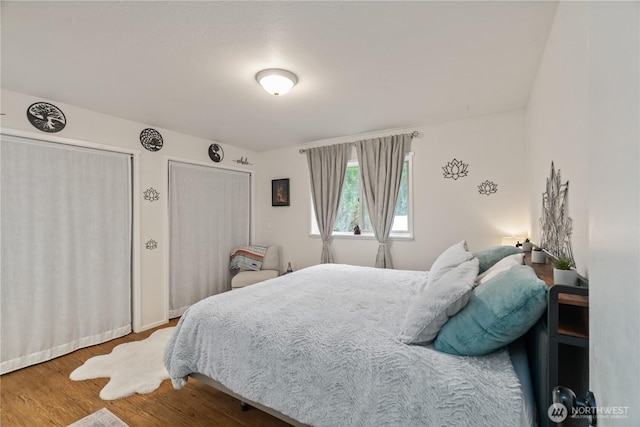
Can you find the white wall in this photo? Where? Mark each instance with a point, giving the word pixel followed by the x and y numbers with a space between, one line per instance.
pixel 584 114
pixel 445 211
pixel 614 206
pixel 150 304
pixel 556 125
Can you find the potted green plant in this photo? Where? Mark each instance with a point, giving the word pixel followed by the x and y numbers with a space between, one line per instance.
pixel 527 245
pixel 538 256
pixel 564 273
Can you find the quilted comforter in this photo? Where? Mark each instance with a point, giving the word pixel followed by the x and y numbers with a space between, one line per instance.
pixel 321 346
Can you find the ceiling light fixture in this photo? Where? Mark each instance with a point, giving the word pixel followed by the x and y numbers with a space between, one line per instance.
pixel 276 81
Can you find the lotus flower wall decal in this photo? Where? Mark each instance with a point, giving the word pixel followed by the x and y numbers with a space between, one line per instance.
pixel 488 188
pixel 151 194
pixel 455 169
pixel 458 169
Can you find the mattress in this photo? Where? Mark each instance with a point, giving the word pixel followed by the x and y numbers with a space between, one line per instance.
pixel 321 346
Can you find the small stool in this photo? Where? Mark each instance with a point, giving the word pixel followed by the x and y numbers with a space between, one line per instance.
pixel 269 270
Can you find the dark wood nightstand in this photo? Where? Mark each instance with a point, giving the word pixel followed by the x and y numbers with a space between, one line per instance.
pixel 567 322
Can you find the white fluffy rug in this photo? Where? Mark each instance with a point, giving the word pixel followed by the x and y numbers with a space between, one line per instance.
pixel 135 367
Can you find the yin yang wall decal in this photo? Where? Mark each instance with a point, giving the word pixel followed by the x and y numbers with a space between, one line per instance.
pixel 151 139
pixel 46 117
pixel 216 153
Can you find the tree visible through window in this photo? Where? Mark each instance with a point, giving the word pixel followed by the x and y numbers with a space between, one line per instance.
pixel 352 210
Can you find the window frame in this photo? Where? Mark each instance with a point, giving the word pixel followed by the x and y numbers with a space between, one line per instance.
pixel 366 234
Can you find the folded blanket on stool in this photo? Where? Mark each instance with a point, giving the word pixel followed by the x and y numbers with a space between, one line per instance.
pixel 247 258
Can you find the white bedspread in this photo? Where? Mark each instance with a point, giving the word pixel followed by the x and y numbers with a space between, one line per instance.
pixel 321 346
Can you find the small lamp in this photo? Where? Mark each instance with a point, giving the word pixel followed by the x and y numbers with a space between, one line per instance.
pixel 568 398
pixel 276 81
pixel 513 241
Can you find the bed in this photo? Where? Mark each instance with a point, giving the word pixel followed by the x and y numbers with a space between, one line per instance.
pixel 322 347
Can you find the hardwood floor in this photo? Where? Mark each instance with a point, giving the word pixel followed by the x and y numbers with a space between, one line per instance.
pixel 43 395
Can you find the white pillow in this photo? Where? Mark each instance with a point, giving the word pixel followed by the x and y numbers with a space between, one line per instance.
pixel 449 259
pixel 441 300
pixel 500 266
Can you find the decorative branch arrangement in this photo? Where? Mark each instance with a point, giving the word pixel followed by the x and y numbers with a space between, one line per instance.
pixel 555 224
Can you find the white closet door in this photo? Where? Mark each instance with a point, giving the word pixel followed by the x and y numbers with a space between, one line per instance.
pixel 209 216
pixel 66 249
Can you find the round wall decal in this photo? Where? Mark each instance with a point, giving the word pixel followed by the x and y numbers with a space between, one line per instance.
pixel 216 153
pixel 151 139
pixel 46 117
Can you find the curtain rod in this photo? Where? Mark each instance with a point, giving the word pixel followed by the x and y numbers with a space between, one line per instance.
pixel 414 134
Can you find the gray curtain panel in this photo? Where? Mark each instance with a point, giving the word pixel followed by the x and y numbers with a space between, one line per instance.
pixel 209 216
pixel 66 249
pixel 381 161
pixel 327 169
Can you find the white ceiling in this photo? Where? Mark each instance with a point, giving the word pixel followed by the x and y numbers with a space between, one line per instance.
pixel 362 66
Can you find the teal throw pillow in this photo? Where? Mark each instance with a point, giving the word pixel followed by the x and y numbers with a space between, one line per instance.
pixel 499 311
pixel 490 256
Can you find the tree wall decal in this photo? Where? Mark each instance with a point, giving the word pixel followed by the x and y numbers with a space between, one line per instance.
pixel 46 117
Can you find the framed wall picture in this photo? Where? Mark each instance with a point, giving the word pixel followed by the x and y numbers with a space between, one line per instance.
pixel 280 192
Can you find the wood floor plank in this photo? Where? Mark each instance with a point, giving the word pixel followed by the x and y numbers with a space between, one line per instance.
pixel 43 395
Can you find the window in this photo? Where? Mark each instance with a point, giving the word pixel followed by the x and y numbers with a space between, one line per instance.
pixel 353 211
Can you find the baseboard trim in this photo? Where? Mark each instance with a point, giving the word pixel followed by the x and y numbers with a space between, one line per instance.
pixel 143 328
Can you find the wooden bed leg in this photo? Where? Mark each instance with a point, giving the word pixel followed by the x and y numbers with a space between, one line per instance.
pixel 244 407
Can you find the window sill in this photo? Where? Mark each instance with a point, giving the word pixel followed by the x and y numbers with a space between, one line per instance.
pixel 366 236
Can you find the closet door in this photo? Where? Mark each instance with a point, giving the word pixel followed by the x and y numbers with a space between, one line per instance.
pixel 66 249
pixel 209 216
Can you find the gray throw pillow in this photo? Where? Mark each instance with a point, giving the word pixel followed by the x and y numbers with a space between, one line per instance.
pixel 448 260
pixel 441 300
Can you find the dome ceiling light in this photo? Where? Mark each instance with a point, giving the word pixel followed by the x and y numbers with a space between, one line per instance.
pixel 276 81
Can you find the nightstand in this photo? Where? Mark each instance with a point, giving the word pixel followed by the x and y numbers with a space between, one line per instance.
pixel 567 322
